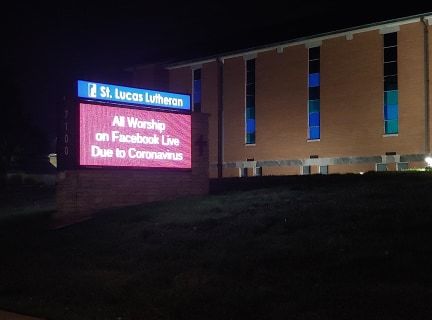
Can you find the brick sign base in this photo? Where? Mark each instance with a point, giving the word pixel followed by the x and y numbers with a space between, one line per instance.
pixel 81 193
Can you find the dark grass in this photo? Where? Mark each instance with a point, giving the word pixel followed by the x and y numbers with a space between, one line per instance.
pixel 25 201
pixel 335 247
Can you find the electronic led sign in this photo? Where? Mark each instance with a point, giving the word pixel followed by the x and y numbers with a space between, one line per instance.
pixel 124 137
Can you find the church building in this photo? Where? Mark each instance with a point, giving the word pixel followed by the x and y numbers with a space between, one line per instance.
pixel 352 100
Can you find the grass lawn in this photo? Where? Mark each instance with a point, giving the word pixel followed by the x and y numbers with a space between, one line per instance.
pixel 312 247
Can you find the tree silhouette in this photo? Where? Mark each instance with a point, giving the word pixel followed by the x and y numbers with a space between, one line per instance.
pixel 19 138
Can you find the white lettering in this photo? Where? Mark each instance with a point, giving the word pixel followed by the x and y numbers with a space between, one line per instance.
pixel 155 98
pixel 102 153
pixel 167 101
pixel 150 125
pixel 127 95
pixel 101 136
pixel 133 138
pixel 166 141
pixel 120 153
pixel 118 121
pixel 133 153
pixel 104 92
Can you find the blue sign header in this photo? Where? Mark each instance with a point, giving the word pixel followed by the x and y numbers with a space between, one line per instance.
pixel 114 93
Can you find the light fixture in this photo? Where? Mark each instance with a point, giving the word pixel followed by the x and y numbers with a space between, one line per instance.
pixel 429 161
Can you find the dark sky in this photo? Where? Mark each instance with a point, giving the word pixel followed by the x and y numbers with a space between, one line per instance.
pixel 49 46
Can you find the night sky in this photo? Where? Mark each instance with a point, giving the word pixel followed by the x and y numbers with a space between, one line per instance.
pixel 48 47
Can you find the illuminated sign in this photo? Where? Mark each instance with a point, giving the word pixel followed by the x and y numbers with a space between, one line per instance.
pixel 144 97
pixel 124 137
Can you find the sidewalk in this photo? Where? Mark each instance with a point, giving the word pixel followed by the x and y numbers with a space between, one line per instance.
pixel 4 315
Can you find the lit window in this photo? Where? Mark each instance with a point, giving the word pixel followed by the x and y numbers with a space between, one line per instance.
pixel 323 169
pixel 314 125
pixel 381 167
pixel 391 93
pixel 402 166
pixel 197 90
pixel 258 171
pixel 243 172
pixel 250 102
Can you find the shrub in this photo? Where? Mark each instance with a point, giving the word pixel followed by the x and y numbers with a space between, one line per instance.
pixel 15 179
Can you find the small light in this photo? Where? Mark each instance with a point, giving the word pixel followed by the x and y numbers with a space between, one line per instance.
pixel 429 161
pixel 361 172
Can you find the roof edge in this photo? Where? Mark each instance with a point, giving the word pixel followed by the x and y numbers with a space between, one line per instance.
pixel 303 40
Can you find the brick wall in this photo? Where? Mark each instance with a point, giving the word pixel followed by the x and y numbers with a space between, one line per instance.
pixel 234 110
pixel 411 90
pixel 281 105
pixel 430 87
pixel 81 193
pixel 352 121
pixel 210 90
pixel 180 80
pixel 153 77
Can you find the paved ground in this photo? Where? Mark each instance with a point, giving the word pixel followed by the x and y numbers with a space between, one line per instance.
pixel 13 316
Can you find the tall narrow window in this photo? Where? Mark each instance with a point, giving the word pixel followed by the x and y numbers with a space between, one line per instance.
pixel 250 102
pixel 197 90
pixel 391 105
pixel 314 131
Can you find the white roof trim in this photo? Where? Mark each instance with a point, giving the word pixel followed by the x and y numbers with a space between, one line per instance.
pixel 192 64
pixel 196 66
pixel 249 56
pixel 307 41
pixel 255 52
pixel 313 44
pixel 322 38
pixel 389 29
